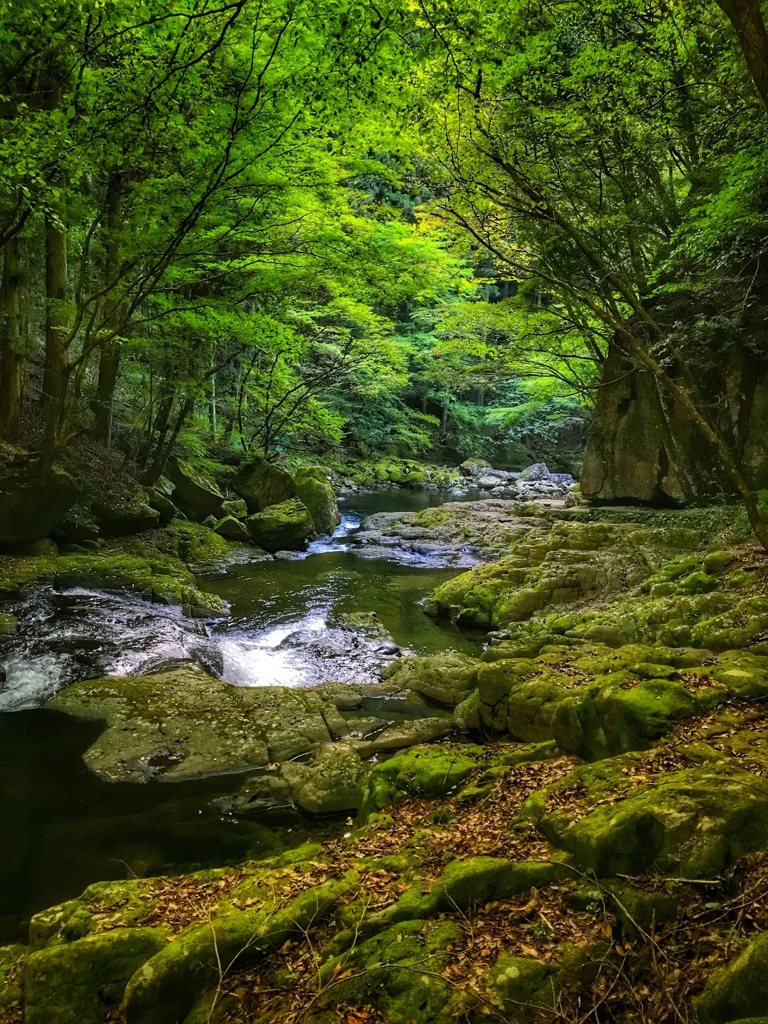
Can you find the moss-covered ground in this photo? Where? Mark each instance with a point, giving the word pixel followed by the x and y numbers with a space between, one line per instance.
pixel 157 564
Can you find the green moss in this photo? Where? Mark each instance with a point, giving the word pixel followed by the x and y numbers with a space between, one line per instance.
pixel 150 573
pixel 167 986
pixel 184 723
pixel 316 493
pixel 422 771
pixel 443 678
pixel 603 721
pixel 693 822
pixel 193 543
pixel 519 987
pixel 282 527
pixel 80 982
pixel 9 624
pixel 11 967
pixel 739 990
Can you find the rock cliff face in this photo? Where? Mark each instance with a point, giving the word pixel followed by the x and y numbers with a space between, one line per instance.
pixel 643 448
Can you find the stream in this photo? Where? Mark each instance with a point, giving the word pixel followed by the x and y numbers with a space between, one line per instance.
pixel 62 827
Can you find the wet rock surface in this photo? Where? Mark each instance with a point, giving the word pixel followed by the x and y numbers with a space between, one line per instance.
pixel 183 723
pixel 461 533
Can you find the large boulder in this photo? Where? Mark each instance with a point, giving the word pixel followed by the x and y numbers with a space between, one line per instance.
pixel 30 508
pixel 195 494
pixel 262 484
pixel 331 784
pixel 184 723
pixel 283 527
pixel 694 822
pixel 232 529
pixel 315 491
pixel 474 468
pixel 640 451
pixel 121 518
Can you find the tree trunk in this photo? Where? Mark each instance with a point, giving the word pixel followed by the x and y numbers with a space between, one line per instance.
pixel 12 341
pixel 109 359
pixel 164 447
pixel 55 368
pixel 747 19
pixel 55 365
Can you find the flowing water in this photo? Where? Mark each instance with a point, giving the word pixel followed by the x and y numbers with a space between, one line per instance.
pixel 62 827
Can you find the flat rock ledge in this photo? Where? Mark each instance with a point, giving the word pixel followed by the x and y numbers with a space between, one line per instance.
pixel 313 743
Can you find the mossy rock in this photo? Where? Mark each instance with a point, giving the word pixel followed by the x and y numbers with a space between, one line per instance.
pixel 232 528
pixel 9 624
pixel 331 783
pixel 193 543
pixel 445 678
pixel 693 823
pixel 475 881
pixel 639 911
pixel 422 771
pixel 387 971
pixel 315 491
pixel 236 507
pixel 103 906
pixel 195 493
pixel 166 987
pixel 521 987
pixel 283 527
pixel 261 483
pixel 405 472
pixel 30 508
pixel 80 982
pixel 11 966
pixel 604 721
pixel 160 578
pixel 737 992
pixel 184 723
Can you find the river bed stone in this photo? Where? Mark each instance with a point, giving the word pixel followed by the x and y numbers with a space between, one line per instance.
pixel 183 723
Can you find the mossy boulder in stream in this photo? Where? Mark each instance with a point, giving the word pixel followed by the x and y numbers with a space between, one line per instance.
pixel 330 783
pixel 443 678
pixel 315 491
pixel 261 483
pixel 161 578
pixel 232 528
pixel 283 527
pixel 183 723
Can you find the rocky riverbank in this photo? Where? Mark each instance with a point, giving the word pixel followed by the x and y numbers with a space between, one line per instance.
pixel 589 840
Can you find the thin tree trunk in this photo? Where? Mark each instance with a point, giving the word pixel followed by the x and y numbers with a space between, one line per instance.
pixel 55 366
pixel 109 359
pixel 163 450
pixel 747 19
pixel 12 341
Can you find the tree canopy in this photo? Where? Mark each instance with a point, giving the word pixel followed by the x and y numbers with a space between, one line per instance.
pixel 372 228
